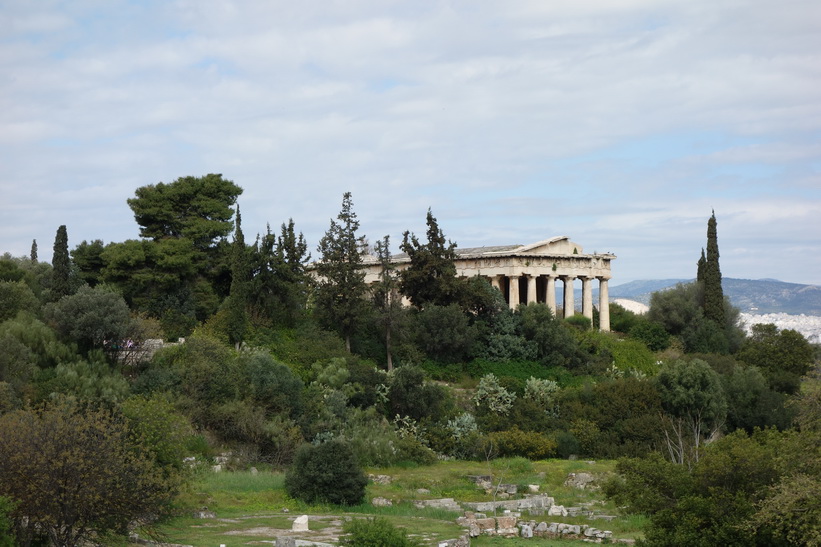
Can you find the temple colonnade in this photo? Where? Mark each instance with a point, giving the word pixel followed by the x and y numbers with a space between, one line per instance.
pixel 528 273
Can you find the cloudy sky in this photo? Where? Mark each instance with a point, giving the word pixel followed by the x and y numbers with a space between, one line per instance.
pixel 619 123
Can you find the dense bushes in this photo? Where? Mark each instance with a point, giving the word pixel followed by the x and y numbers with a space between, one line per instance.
pixel 328 472
pixel 375 532
pixel 515 442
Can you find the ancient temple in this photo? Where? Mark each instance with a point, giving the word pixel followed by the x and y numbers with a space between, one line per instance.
pixel 528 273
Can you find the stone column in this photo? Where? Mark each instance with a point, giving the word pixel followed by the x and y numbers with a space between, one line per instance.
pixel 587 297
pixel 531 289
pixel 514 291
pixel 604 305
pixel 550 293
pixel 496 282
pixel 569 304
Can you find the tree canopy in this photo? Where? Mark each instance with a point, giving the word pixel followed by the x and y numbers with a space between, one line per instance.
pixel 195 208
pixel 341 287
pixel 431 276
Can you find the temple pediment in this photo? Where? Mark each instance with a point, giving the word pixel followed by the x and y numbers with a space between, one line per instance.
pixel 560 245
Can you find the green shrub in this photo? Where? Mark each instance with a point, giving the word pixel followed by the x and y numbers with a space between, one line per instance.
pixel 328 472
pixel 375 532
pixel 515 442
pixel 6 524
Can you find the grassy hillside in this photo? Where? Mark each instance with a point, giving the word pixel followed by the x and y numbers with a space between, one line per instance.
pixel 251 509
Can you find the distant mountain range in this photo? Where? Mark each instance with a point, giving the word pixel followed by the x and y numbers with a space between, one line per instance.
pixel 757 296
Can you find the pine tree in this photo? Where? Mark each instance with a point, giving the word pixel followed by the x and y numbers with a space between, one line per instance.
pixel 431 276
pixel 340 302
pixel 240 280
pixel 34 251
pixel 713 293
pixel 61 264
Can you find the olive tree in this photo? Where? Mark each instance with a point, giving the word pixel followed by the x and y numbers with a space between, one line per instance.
pixel 694 404
pixel 75 476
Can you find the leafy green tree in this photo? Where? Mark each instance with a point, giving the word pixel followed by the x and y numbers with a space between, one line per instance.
pixel 16 296
pixel 430 278
pixel 651 333
pixel 18 365
pixel 6 522
pixel 443 333
pixel 710 504
pixel 751 403
pixel 41 341
pixel 328 472
pixel 162 279
pixel 410 395
pixel 90 381
pixel 272 385
pixel 341 290
pixel 10 270
pixel 677 309
pixel 782 356
pixel 622 319
pixel 88 257
pixel 195 208
pixel 75 476
pixel 280 280
pixel 33 253
pixel 61 264
pixel 554 339
pixel 713 293
pixel 680 312
pixel 694 404
pixel 159 432
pixel 92 317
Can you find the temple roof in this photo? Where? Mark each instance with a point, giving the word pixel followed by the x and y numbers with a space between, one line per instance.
pixel 559 245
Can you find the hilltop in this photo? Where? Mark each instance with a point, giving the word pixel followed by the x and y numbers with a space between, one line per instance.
pixel 756 296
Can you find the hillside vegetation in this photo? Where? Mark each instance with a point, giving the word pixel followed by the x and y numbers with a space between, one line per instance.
pixel 144 378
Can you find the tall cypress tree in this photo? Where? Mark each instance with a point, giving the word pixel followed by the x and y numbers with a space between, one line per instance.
pixel 61 264
pixel 702 263
pixel 34 251
pixel 713 293
pixel 240 281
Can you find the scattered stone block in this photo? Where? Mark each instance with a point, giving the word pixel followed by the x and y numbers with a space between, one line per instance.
pixel 381 502
pixel 526 531
pixel 254 471
pixel 422 491
pixel 506 526
pixel 487 525
pixel 380 479
pixel 286 542
pixel 557 511
pixel 300 524
pixel 204 513
pixel 533 488
pixel 582 481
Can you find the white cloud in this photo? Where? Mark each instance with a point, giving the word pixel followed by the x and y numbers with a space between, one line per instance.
pixel 620 124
